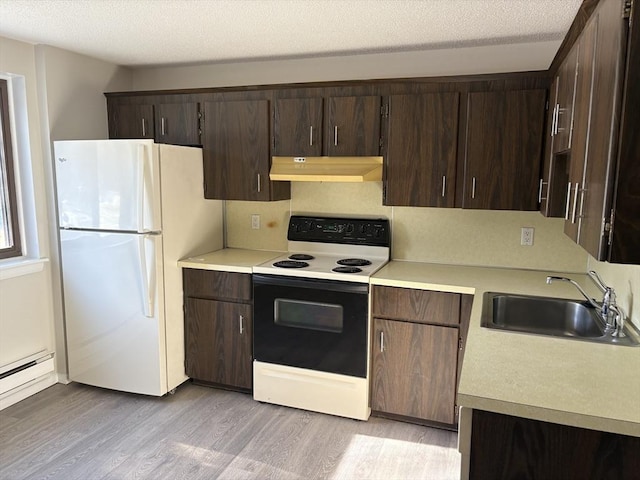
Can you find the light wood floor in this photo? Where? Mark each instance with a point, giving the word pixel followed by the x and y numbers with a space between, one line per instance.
pixel 80 432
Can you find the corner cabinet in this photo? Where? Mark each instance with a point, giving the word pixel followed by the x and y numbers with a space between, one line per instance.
pixel 503 149
pixel 331 126
pixel 218 328
pixel 418 345
pixel 599 174
pixel 421 150
pixel 236 152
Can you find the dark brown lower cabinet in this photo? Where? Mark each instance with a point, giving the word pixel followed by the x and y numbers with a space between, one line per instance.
pixel 218 342
pixel 418 345
pixel 218 328
pixel 414 369
pixel 507 447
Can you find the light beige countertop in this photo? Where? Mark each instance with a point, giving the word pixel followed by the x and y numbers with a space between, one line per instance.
pixel 229 260
pixel 559 380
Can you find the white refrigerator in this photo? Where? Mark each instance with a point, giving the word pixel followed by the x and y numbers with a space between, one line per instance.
pixel 128 210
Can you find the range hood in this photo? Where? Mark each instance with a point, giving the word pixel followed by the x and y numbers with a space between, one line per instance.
pixel 326 169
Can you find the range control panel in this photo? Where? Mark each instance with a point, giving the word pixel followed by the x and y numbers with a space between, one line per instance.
pixel 353 231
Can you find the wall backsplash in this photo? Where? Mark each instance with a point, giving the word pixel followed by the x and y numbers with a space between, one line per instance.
pixel 433 235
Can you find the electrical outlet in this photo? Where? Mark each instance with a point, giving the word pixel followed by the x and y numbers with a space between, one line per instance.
pixel 255 222
pixel 526 236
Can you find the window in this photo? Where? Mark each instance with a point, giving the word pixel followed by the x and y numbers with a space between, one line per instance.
pixel 10 240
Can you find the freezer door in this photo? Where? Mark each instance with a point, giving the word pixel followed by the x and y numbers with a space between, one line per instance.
pixel 108 185
pixel 113 310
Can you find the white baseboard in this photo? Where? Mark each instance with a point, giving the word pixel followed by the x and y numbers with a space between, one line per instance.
pixel 28 381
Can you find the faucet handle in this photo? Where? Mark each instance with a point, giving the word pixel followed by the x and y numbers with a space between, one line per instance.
pixel 598 281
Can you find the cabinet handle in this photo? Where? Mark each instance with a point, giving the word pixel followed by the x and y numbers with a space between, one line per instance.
pixel 144 128
pixel 335 136
pixel 311 136
pixel 575 203
pixel 542 182
pixel 381 342
pixel 473 187
pixel 241 322
pixel 568 202
pixel 556 118
pixel 162 126
pixel 259 187
pixel 444 185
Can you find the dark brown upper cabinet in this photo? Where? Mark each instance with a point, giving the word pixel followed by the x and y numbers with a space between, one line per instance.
pixel 601 226
pixel 330 126
pixel 552 179
pixel 599 174
pixel 352 126
pixel 128 121
pixel 569 168
pixel 421 150
pixel 236 152
pixel 178 123
pixel 503 148
pixel 564 99
pixel 298 127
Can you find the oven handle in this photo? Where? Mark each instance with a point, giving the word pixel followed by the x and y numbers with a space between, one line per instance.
pixel 332 285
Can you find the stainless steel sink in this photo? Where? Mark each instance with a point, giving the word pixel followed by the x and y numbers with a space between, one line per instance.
pixel 548 316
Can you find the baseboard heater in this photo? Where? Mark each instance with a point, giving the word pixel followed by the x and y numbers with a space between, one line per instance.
pixel 24 371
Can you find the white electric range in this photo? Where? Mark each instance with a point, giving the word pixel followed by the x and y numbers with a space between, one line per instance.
pixel 311 315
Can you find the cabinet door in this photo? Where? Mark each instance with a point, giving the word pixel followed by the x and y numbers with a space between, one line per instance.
pixel 595 205
pixel 353 126
pixel 503 149
pixel 573 186
pixel 178 123
pixel 236 150
pixel 626 228
pixel 566 84
pixel 414 370
pixel 130 121
pixel 420 163
pixel 298 127
pixel 218 342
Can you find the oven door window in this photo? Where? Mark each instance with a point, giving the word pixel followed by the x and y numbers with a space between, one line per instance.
pixel 313 324
pixel 324 317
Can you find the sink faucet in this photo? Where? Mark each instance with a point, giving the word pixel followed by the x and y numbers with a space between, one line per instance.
pixel 612 315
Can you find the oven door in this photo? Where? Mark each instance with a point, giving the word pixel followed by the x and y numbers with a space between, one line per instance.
pixel 313 324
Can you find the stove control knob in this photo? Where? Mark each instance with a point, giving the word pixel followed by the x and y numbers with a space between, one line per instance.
pixel 350 228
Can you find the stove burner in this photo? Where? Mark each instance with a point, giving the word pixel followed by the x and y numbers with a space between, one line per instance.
pixel 347 270
pixel 290 264
pixel 354 262
pixel 301 256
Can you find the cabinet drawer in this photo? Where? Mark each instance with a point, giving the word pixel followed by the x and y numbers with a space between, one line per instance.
pixel 421 306
pixel 217 285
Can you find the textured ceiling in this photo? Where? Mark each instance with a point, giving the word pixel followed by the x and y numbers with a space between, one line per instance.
pixel 163 32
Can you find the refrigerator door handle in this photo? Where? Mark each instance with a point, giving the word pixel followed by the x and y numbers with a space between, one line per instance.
pixel 146 281
pixel 141 187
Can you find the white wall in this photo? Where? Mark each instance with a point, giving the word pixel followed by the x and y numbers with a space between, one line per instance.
pixel 26 313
